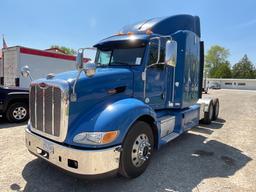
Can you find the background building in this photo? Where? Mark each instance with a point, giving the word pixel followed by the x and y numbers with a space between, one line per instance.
pixel 247 84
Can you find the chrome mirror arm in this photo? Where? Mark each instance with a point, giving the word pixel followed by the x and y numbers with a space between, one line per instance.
pixel 25 72
pixel 80 68
pixel 144 73
pixel 30 77
pixel 73 96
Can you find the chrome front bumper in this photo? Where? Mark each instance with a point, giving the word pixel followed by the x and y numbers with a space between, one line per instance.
pixel 84 162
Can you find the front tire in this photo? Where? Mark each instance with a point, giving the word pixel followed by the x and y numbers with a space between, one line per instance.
pixel 17 112
pixel 137 150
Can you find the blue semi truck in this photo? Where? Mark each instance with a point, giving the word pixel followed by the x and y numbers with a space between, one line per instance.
pixel 143 90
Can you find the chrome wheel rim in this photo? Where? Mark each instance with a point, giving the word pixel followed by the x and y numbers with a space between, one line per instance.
pixel 141 150
pixel 19 113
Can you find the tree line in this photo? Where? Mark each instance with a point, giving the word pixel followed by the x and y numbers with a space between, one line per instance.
pixel 66 50
pixel 218 66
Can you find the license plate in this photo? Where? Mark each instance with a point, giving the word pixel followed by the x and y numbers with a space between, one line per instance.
pixel 48 146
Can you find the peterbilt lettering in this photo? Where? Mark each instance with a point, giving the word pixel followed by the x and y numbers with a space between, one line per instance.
pixel 143 90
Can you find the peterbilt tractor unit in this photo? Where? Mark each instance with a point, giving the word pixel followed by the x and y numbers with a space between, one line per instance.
pixel 143 90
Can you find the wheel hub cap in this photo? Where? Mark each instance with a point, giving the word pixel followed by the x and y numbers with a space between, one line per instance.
pixel 19 113
pixel 141 150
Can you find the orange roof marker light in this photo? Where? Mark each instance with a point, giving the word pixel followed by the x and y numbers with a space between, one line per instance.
pixel 130 33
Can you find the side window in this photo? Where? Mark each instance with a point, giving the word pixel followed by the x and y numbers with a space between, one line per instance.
pixel 104 57
pixel 153 52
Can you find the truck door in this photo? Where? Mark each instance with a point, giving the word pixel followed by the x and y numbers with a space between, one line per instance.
pixel 155 77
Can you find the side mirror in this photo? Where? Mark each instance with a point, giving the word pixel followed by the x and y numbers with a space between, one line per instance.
pixel 79 60
pixel 90 69
pixel 25 72
pixel 171 53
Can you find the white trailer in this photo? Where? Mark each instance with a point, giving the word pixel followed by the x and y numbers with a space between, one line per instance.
pixel 1 69
pixel 40 63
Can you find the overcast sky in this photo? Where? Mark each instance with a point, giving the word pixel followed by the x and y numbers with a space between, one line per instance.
pixel 40 24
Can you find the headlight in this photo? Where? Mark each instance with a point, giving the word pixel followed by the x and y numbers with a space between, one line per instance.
pixel 97 138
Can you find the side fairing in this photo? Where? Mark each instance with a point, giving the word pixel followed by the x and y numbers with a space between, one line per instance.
pixel 186 79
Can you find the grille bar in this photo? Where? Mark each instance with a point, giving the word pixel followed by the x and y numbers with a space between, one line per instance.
pixel 48 110
pixel 43 109
pixel 39 109
pixel 32 102
pixel 35 106
pixel 57 111
pixel 52 113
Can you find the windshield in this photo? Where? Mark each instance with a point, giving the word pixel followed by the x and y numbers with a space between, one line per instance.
pixel 122 56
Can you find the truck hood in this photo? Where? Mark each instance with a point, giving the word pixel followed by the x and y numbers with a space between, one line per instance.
pixel 70 76
pixel 94 93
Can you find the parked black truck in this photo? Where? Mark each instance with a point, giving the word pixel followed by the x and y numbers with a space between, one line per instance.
pixel 14 104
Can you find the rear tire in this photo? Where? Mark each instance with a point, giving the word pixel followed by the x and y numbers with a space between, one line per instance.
pixel 17 112
pixel 216 106
pixel 206 90
pixel 137 150
pixel 208 115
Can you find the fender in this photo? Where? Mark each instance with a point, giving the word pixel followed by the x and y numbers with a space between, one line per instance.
pixel 119 115
pixel 205 102
pixel 204 106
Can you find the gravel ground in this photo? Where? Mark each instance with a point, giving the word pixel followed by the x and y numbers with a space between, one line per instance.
pixel 218 157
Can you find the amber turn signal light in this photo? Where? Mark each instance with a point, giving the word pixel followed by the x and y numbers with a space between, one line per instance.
pixel 109 137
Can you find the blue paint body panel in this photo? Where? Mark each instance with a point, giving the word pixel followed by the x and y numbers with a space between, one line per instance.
pixel 187 69
pixel 166 25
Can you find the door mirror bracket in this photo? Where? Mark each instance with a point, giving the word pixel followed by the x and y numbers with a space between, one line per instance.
pixel 89 70
pixel 25 72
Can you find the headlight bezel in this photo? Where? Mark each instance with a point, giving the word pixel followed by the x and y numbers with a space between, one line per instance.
pixel 96 138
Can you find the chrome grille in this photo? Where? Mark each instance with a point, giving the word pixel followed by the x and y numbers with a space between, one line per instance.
pixel 48 107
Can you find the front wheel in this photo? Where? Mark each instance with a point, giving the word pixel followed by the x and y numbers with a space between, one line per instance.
pixel 137 150
pixel 17 112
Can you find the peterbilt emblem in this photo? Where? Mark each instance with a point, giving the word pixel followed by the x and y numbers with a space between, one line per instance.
pixel 43 85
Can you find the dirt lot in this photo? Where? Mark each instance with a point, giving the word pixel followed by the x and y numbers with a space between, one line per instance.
pixel 219 157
